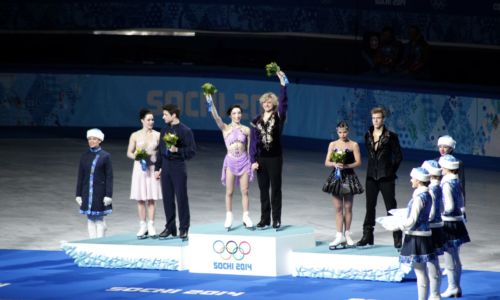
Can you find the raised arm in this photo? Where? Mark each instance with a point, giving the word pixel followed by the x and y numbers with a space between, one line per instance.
pixel 213 109
pixel 283 99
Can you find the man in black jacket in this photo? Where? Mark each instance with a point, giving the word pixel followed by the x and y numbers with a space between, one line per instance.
pixel 384 157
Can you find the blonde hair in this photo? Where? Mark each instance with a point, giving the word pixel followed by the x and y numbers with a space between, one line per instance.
pixel 378 110
pixel 269 96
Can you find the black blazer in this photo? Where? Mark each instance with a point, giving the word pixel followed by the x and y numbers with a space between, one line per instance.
pixel 384 162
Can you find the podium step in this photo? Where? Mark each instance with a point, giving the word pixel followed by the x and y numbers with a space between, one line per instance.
pixel 241 251
pixel 377 263
pixel 126 251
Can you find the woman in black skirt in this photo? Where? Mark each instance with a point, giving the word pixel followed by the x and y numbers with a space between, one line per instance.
pixel 343 155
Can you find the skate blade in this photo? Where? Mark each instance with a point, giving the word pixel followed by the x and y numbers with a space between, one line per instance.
pixel 338 247
pixel 282 227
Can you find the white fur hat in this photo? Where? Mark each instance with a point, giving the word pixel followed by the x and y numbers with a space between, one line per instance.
pixel 420 174
pixel 95 132
pixel 432 167
pixel 447 140
pixel 449 162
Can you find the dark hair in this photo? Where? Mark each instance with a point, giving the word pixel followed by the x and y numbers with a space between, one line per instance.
pixel 144 112
pixel 342 124
pixel 172 109
pixel 230 109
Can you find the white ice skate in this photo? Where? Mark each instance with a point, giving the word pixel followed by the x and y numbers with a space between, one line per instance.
pixel 247 222
pixel 339 241
pixel 143 230
pixel 151 230
pixel 229 221
pixel 349 242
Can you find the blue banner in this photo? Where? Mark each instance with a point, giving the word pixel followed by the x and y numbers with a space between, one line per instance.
pixel 63 100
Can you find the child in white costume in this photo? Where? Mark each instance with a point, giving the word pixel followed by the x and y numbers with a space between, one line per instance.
pixel 435 220
pixel 454 229
pixel 418 249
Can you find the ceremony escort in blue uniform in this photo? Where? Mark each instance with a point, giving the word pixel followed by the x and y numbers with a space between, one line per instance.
pixel 454 229
pixel 418 248
pixel 170 166
pixel 94 188
pixel 435 221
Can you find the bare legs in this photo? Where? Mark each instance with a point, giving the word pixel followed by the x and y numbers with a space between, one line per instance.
pixel 343 219
pixel 243 182
pixel 141 210
pixel 343 211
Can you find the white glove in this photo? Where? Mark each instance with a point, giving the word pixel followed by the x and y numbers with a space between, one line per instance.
pixel 79 200
pixel 107 201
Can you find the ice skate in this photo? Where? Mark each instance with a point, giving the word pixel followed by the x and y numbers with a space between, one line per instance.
pixel 263 225
pixel 247 222
pixel 143 231
pixel 349 242
pixel 229 221
pixel 151 230
pixel 277 225
pixel 339 241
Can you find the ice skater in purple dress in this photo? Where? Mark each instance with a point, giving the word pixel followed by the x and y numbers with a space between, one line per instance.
pixel 237 168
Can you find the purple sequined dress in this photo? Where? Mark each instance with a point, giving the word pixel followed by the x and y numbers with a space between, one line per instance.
pixel 237 161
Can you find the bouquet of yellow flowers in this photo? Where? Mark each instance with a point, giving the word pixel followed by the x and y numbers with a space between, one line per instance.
pixel 170 139
pixel 338 156
pixel 272 68
pixel 143 157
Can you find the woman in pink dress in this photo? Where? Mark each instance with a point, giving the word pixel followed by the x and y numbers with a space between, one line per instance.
pixel 145 188
pixel 237 169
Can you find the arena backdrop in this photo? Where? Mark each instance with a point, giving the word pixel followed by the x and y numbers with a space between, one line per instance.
pixel 69 100
pixel 444 21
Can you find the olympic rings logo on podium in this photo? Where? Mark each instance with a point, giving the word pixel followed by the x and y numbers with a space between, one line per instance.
pixel 232 249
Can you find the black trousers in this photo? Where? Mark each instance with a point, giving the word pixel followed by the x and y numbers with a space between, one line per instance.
pixel 269 176
pixel 386 186
pixel 174 185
